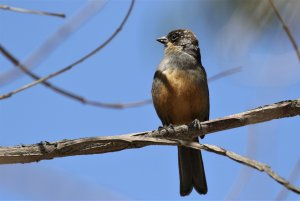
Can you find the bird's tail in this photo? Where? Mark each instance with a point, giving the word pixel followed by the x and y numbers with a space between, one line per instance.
pixel 191 171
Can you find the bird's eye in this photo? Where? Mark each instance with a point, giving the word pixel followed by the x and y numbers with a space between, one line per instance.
pixel 174 37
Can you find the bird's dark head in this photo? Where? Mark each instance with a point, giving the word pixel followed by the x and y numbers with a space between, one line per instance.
pixel 181 40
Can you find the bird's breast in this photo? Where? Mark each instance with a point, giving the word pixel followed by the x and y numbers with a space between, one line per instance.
pixel 181 96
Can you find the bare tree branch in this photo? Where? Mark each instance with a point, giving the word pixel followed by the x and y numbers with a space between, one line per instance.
pixel 288 108
pixel 292 178
pixel 83 100
pixel 22 10
pixel 61 91
pixel 169 136
pixel 278 110
pixel 96 145
pixel 285 27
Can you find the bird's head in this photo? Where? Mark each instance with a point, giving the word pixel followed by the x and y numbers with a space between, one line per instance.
pixel 181 40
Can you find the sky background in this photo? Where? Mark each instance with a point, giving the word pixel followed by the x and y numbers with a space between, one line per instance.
pixel 231 34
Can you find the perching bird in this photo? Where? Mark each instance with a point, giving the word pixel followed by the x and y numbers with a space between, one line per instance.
pixel 180 95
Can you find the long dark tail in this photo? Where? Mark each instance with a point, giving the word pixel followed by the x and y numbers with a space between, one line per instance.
pixel 191 171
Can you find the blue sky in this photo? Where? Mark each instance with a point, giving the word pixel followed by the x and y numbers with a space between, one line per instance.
pixel 123 72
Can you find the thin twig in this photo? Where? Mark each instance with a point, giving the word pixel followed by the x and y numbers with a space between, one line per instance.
pixel 292 178
pixel 251 163
pixel 285 27
pixel 74 64
pixel 61 91
pixel 68 28
pixel 4 96
pixel 64 92
pixel 22 10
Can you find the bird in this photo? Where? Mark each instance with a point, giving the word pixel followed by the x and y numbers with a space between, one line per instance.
pixel 180 96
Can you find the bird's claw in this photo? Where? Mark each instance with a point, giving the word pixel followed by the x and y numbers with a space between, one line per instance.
pixel 170 126
pixel 197 124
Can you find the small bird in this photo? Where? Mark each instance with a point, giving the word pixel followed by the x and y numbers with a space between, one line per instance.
pixel 180 95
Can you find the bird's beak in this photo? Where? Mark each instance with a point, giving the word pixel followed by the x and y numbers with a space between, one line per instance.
pixel 162 40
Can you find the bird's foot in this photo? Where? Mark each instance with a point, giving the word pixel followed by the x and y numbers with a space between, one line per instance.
pixel 167 130
pixel 170 126
pixel 197 124
pixel 160 128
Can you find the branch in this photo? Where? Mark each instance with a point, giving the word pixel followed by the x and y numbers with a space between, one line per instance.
pixel 69 66
pixel 96 145
pixel 170 136
pixel 22 10
pixel 83 100
pixel 63 148
pixel 285 27
pixel 288 108
pixel 61 91
pixel 251 163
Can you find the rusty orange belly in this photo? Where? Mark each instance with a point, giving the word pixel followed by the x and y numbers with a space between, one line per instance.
pixel 182 99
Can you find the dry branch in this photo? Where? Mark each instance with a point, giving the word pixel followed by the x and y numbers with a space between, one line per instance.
pixel 170 136
pixel 251 163
pixel 95 145
pixel 285 27
pixel 61 91
pixel 288 108
pixel 22 10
